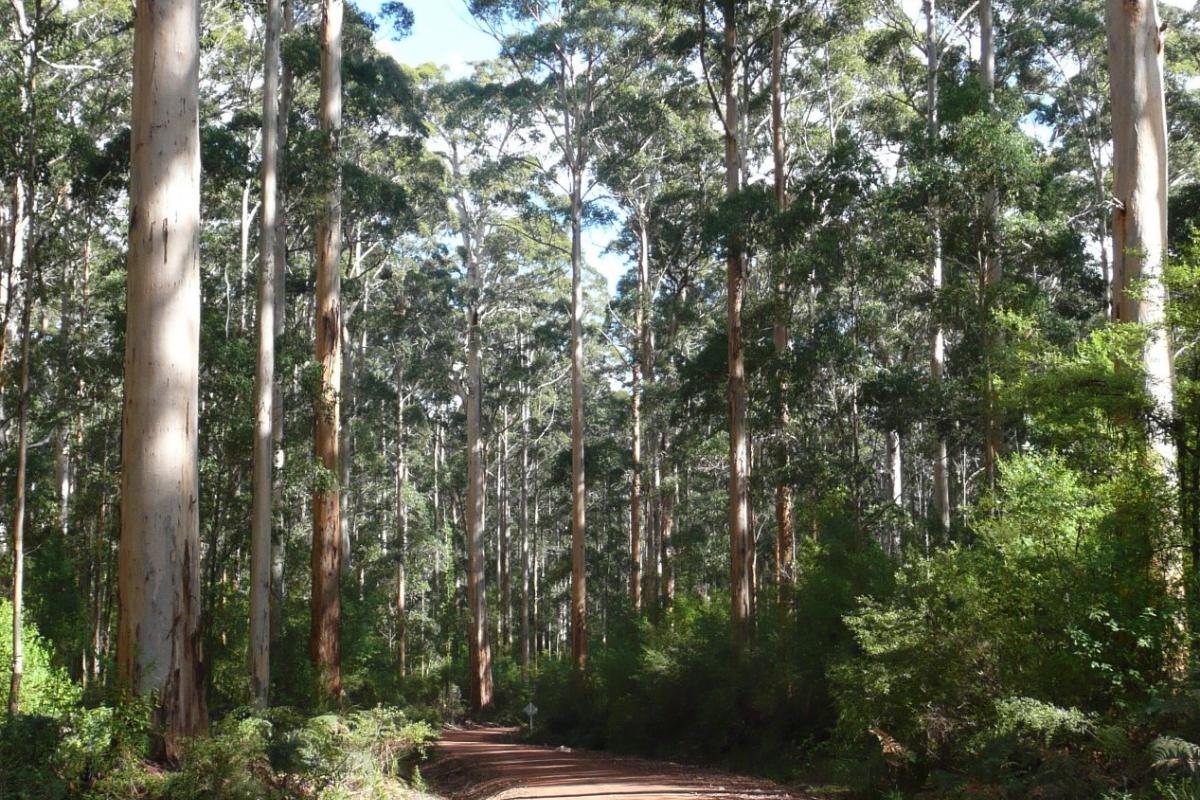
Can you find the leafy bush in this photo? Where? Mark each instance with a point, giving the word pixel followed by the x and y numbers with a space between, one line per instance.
pixel 102 754
pixel 45 688
pixel 1006 657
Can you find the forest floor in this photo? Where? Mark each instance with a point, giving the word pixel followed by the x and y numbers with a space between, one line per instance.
pixel 486 763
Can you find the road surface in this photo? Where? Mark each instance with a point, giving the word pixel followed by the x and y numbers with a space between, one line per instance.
pixel 485 763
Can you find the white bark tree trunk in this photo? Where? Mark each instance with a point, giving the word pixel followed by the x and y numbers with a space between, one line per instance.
pixel 1135 47
pixel 937 336
pixel 740 555
pixel 264 379
pixel 578 479
pixel 159 634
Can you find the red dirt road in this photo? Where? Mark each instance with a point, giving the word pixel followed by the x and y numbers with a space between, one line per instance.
pixel 486 764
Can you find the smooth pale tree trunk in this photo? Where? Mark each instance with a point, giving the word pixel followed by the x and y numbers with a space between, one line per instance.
pixel 480 653
pixel 278 549
pixel 402 532
pixel 1135 53
pixel 666 532
pixel 523 513
pixel 503 562
pixel 159 632
pixel 784 514
pixel 895 458
pixel 578 482
pixel 1135 46
pixel 21 262
pixel 989 262
pixel 637 369
pixel 325 635
pixel 248 215
pixel 18 528
pixel 937 336
pixel 264 379
pixel 739 433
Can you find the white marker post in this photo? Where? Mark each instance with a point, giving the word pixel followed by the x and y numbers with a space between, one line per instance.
pixel 531 710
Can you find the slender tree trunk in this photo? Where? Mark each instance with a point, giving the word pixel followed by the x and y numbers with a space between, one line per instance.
pixel 739 436
pixel 18 529
pixel 896 475
pixel 22 261
pixel 666 532
pixel 278 549
pixel 937 336
pixel 784 513
pixel 480 650
pixel 264 379
pixel 402 532
pixel 159 634
pixel 578 483
pixel 247 223
pixel 635 494
pixel 502 554
pixel 990 268
pixel 324 636
pixel 524 523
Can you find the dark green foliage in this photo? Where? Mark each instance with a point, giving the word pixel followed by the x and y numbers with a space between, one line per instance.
pixel 101 754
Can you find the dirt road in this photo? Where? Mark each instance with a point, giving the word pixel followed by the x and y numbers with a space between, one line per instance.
pixel 486 764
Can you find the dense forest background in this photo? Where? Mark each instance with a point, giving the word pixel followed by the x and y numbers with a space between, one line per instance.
pixel 879 468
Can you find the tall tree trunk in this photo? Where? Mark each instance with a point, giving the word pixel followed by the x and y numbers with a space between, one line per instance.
pixel 1135 47
pixel 784 514
pixel 18 529
pixel 1135 53
pixel 159 634
pixel 739 436
pixel 278 549
pixel 937 336
pixel 402 532
pixel 524 523
pixel 578 484
pixel 22 260
pixel 502 554
pixel 264 378
pixel 637 368
pixel 989 263
pixel 480 650
pixel 324 635
pixel 666 531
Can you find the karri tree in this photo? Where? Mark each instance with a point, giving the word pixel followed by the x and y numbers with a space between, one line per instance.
pixel 158 644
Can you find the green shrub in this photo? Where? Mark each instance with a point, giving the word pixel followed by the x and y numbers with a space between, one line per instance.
pixel 45 688
pixel 1010 659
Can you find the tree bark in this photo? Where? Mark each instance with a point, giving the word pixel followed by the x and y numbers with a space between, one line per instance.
pixel 739 449
pixel 937 336
pixel 1139 117
pixel 159 633
pixel 990 269
pixel 524 523
pixel 278 549
pixel 18 529
pixel 784 502
pixel 578 484
pixel 324 635
pixel 1135 47
pixel 479 648
pixel 402 532
pixel 637 368
pixel 264 380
